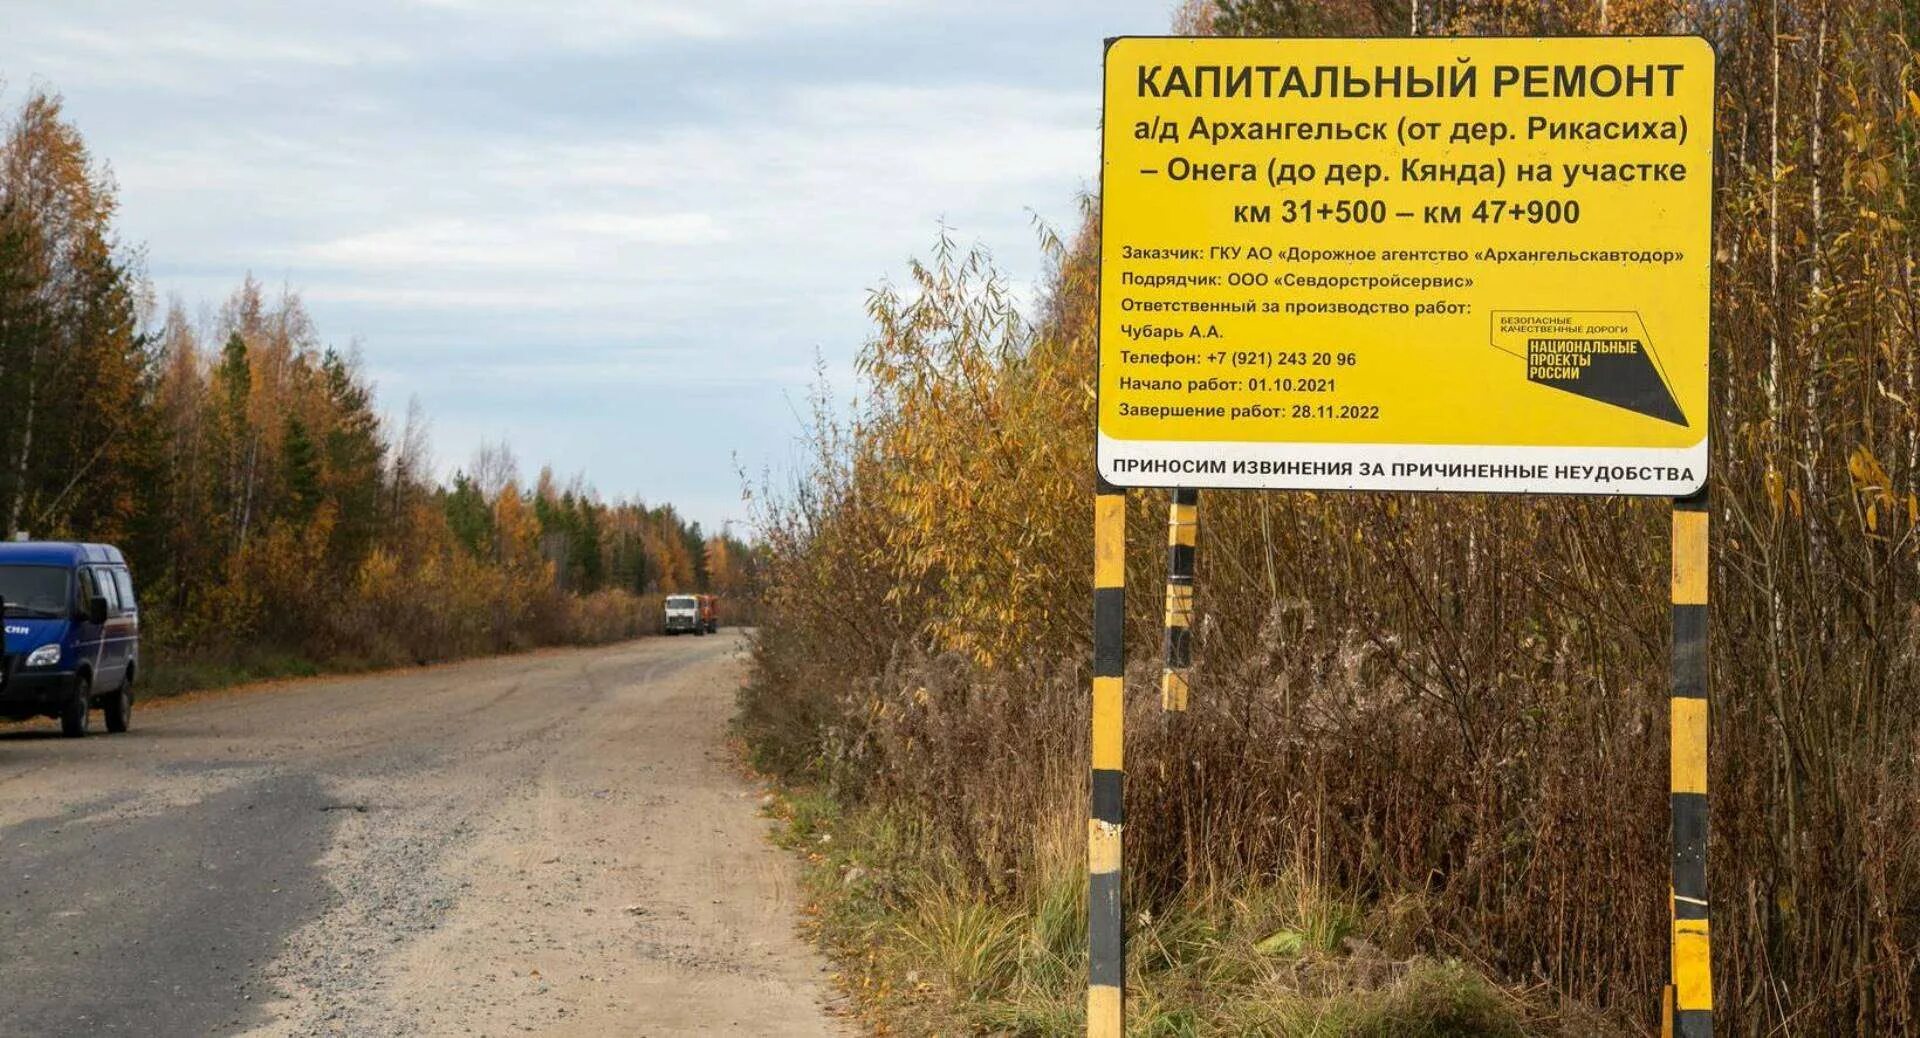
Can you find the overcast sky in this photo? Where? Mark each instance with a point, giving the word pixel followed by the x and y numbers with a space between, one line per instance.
pixel 615 233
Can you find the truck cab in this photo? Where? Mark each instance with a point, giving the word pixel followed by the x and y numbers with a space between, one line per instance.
pixel 72 634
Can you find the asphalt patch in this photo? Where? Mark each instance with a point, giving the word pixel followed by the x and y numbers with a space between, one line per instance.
pixel 158 924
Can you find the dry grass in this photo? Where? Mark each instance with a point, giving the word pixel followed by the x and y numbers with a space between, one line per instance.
pixel 921 953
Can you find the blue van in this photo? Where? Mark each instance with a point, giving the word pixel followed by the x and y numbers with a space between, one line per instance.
pixel 72 634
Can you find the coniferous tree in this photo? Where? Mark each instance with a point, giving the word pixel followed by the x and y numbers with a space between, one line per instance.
pixel 300 472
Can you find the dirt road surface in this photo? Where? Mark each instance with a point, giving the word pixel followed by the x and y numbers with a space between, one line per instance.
pixel 555 843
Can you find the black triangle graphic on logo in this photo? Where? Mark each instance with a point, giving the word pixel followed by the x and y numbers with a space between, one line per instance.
pixel 1612 371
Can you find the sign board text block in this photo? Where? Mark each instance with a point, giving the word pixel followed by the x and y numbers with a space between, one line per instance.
pixel 1407 264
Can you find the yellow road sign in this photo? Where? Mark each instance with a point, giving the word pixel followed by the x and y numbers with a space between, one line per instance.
pixel 1416 264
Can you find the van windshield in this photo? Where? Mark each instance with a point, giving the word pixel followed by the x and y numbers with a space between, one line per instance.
pixel 680 602
pixel 39 591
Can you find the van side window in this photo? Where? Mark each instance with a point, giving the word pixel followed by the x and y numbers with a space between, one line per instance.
pixel 123 583
pixel 104 581
pixel 83 590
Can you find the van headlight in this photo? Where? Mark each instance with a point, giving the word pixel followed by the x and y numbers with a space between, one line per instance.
pixel 44 656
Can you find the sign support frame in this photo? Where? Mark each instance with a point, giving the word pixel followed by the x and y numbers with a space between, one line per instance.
pixel 1183 527
pixel 1689 1005
pixel 1106 901
pixel 1687 1000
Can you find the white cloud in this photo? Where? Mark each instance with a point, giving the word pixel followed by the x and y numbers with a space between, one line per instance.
pixel 213 41
pixel 579 241
pixel 202 49
pixel 666 229
pixel 800 200
pixel 604 24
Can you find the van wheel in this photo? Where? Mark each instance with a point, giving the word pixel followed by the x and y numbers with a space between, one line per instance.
pixel 119 708
pixel 73 720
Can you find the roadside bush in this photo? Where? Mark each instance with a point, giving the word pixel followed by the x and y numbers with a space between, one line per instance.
pixel 610 616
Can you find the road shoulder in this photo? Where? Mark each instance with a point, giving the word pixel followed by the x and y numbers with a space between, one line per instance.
pixel 619 880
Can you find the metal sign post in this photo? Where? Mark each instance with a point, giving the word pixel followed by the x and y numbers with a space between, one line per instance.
pixel 1432 264
pixel 1106 928
pixel 1692 1004
pixel 1183 525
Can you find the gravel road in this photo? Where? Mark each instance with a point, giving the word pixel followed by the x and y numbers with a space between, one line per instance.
pixel 554 843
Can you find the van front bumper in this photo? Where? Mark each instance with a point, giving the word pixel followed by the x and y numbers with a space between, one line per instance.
pixel 29 693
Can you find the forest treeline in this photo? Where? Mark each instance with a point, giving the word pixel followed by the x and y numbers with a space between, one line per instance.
pixel 1450 708
pixel 241 463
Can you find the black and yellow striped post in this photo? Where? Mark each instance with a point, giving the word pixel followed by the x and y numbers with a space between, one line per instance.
pixel 1106 937
pixel 1690 999
pixel 1183 519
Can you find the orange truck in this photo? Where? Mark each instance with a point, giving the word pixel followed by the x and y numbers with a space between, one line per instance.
pixel 696 614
